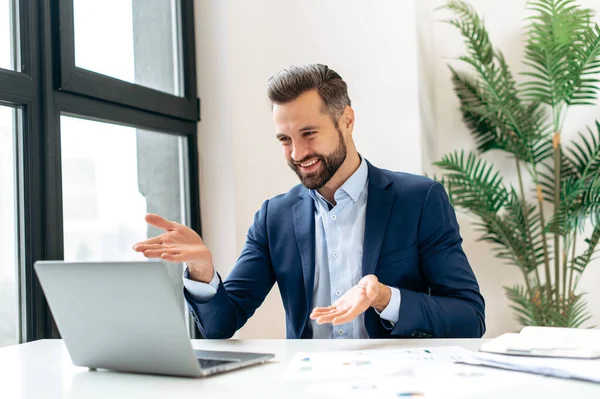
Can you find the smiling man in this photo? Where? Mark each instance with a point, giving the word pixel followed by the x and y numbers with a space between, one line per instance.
pixel 357 251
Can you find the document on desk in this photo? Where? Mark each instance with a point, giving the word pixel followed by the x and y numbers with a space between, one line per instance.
pixel 356 364
pixel 547 342
pixel 397 373
pixel 581 369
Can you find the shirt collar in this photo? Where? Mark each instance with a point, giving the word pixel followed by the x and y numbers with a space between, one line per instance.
pixel 353 186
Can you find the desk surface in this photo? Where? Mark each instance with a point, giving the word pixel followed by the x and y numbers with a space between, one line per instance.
pixel 43 369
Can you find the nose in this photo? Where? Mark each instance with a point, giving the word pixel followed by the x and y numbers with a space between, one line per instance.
pixel 299 151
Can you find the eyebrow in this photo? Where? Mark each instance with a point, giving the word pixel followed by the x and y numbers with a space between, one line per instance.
pixel 310 127
pixel 304 129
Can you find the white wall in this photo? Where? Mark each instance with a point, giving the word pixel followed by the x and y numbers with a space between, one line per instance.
pixel 240 44
pixel 444 132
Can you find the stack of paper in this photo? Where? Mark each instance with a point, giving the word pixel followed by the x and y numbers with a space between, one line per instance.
pixel 548 342
pixel 581 369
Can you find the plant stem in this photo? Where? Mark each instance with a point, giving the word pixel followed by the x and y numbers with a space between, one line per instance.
pixel 540 199
pixel 526 217
pixel 557 165
pixel 568 294
pixel 576 281
pixel 566 247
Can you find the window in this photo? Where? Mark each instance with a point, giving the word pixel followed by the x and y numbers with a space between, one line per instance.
pixel 112 176
pixel 9 300
pixel 9 48
pixel 133 52
pixel 140 46
pixel 97 128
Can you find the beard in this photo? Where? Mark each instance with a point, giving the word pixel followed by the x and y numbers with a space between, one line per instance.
pixel 329 165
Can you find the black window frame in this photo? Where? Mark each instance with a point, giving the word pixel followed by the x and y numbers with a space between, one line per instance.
pixel 78 80
pixel 48 86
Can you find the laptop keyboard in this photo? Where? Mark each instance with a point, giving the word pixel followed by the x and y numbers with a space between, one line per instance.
pixel 207 363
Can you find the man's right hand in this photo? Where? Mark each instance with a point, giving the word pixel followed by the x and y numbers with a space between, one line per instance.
pixel 178 244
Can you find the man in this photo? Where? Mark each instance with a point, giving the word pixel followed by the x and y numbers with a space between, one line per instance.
pixel 357 251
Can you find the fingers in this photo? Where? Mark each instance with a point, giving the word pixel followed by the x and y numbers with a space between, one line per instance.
pixel 145 247
pixel 334 315
pixel 160 222
pixel 151 241
pixel 157 253
pixel 327 318
pixel 320 311
pixel 347 317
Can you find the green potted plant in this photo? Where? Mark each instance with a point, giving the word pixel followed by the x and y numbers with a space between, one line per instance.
pixel 525 120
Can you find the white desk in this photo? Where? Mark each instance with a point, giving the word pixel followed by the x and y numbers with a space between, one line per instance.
pixel 43 369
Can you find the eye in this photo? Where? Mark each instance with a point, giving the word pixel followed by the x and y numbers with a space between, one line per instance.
pixel 284 139
pixel 308 134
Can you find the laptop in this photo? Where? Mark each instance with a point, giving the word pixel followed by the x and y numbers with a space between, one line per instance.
pixel 128 316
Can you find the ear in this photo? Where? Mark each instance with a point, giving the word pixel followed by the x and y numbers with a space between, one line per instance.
pixel 346 121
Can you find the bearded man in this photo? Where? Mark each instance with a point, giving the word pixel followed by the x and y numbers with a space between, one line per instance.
pixel 357 251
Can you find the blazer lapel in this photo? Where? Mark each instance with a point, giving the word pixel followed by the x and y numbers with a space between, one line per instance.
pixel 304 229
pixel 379 205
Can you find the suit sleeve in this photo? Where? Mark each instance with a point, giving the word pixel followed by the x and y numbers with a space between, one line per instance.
pixel 243 292
pixel 455 307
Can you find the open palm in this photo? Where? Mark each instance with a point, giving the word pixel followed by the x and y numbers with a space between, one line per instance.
pixel 178 243
pixel 354 302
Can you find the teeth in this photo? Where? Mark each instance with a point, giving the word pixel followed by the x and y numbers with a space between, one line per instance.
pixel 306 165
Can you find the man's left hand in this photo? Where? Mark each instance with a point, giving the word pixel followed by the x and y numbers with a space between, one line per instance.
pixel 369 292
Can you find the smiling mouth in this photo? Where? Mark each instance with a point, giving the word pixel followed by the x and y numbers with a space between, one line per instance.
pixel 309 163
pixel 309 166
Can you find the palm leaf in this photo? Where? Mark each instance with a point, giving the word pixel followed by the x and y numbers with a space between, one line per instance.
pixel 490 104
pixel 475 186
pixel 589 208
pixel 508 233
pixel 542 150
pixel 473 107
pixel 580 262
pixel 488 129
pixel 585 157
pixel 553 31
pixel 575 312
pixel 580 201
pixel 527 309
pixel 471 26
pixel 583 88
pixel 472 183
pixel 546 175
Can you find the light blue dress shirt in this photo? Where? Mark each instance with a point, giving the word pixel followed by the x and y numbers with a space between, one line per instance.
pixel 339 236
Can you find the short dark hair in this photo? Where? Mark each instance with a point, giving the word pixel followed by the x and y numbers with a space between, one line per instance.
pixel 291 82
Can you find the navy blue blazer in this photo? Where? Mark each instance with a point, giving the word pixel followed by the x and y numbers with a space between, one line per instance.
pixel 411 242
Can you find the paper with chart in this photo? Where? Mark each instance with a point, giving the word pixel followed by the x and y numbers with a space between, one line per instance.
pixel 356 364
pixel 396 373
